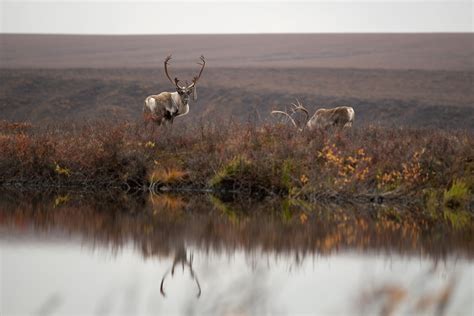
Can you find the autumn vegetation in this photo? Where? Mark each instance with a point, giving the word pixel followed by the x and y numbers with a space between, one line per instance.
pixel 369 164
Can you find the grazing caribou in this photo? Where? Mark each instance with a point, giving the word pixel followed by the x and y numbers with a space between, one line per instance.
pixel 342 116
pixel 164 107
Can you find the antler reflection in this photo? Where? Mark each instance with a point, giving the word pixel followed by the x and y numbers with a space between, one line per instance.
pixel 181 258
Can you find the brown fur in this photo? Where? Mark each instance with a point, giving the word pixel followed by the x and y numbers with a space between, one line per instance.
pixel 336 117
pixel 342 116
pixel 160 114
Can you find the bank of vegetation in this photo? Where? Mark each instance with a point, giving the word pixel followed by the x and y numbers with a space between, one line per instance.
pixel 364 164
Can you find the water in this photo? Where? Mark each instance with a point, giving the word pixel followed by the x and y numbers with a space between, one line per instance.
pixel 69 254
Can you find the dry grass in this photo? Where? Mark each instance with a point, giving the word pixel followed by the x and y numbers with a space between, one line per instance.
pixel 250 159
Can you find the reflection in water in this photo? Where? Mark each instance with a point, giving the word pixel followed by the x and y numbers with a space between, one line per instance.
pixel 419 298
pixel 50 305
pixel 97 284
pixel 276 256
pixel 159 225
pixel 181 257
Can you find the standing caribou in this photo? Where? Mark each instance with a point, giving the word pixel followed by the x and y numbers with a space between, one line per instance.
pixel 164 107
pixel 342 116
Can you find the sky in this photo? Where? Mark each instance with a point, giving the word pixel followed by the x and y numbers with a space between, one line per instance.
pixel 225 16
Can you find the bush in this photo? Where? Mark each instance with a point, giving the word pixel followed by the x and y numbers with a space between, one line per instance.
pixel 251 177
pixel 266 159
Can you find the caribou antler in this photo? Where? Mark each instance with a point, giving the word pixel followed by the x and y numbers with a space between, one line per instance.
pixel 181 257
pixel 202 64
pixel 162 290
pixel 298 107
pixel 176 80
pixel 193 276
pixel 287 115
pixel 198 295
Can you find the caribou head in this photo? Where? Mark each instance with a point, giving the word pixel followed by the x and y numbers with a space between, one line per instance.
pixel 185 91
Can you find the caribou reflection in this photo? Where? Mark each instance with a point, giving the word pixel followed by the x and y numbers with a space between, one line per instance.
pixel 181 257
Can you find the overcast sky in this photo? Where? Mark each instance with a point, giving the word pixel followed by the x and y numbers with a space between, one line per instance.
pixel 224 16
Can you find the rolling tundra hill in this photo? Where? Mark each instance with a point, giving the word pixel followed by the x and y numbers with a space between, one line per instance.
pixel 421 80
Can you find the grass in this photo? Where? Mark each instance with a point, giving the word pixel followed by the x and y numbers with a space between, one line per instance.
pixel 457 196
pixel 237 168
pixel 371 163
pixel 167 176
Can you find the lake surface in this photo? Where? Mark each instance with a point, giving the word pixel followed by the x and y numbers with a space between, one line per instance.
pixel 74 254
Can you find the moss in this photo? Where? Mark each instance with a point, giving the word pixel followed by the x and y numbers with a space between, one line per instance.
pixel 246 176
pixel 237 167
pixel 457 196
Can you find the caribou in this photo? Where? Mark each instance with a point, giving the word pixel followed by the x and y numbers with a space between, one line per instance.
pixel 339 117
pixel 163 108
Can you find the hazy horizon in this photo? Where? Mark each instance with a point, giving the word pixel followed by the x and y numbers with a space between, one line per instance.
pixel 234 17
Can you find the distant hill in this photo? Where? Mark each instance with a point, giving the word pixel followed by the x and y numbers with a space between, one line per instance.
pixel 365 51
pixel 422 80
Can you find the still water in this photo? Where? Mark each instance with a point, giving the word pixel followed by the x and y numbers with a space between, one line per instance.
pixel 75 255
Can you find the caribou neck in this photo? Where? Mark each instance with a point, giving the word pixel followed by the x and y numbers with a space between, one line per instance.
pixel 183 108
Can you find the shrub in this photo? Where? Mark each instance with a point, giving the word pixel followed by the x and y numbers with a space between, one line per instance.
pixel 267 159
pixel 239 173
